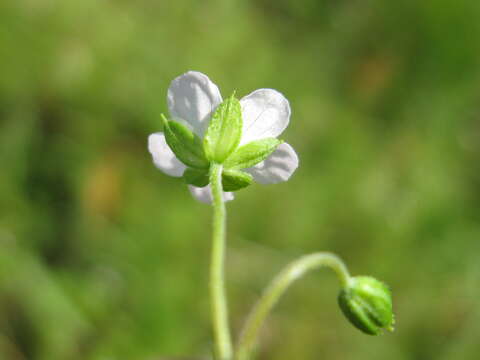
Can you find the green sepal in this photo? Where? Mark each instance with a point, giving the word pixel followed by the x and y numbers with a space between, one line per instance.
pixel 367 303
pixel 224 131
pixel 233 180
pixel 252 153
pixel 196 177
pixel 186 146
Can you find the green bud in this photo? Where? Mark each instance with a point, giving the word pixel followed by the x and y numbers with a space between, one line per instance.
pixel 367 303
pixel 224 131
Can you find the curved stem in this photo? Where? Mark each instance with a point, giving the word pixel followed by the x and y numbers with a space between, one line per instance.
pixel 275 290
pixel 218 299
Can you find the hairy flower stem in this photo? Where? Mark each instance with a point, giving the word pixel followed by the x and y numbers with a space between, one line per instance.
pixel 275 290
pixel 218 299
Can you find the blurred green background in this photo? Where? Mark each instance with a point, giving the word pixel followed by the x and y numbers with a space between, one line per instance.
pixel 104 257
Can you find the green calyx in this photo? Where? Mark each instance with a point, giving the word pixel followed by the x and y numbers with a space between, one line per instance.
pixel 220 145
pixel 367 304
pixel 222 139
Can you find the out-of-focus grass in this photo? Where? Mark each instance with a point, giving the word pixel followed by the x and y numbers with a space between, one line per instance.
pixel 104 257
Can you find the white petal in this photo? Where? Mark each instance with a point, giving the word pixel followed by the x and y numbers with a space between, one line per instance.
pixel 204 194
pixel 278 167
pixel 265 113
pixel 193 98
pixel 163 157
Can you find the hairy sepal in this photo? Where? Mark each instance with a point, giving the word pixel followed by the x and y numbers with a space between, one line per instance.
pixel 252 153
pixel 233 180
pixel 186 146
pixel 224 131
pixel 196 177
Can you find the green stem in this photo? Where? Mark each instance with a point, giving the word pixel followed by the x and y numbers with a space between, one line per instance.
pixel 221 331
pixel 275 290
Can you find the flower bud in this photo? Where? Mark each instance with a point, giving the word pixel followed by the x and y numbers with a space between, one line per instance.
pixel 367 303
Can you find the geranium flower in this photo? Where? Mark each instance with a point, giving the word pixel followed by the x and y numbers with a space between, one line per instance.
pixel 193 99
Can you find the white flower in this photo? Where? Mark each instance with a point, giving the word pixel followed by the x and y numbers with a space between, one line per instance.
pixel 192 99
